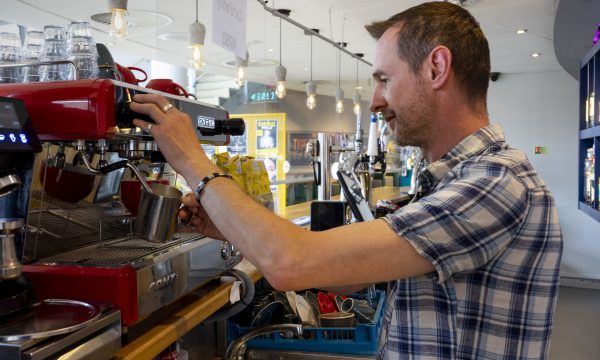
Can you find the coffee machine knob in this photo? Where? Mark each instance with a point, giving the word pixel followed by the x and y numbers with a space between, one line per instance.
pixel 227 250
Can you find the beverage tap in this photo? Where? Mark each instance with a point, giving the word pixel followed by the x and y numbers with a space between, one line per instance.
pixel 102 146
pixel 59 158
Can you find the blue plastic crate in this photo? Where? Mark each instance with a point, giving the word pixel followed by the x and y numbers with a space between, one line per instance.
pixel 359 340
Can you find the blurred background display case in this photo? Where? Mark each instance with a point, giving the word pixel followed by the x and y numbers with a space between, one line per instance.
pixel 589 133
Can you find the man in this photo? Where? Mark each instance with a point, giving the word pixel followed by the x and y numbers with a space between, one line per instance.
pixel 474 262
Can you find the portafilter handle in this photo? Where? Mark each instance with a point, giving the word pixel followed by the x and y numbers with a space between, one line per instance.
pixel 9 183
pixel 10 267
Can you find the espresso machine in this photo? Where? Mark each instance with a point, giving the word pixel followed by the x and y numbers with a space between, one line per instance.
pixel 81 248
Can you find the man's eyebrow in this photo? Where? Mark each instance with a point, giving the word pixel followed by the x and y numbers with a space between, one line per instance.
pixel 377 74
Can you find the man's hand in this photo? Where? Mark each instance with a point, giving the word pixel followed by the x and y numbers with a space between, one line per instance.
pixel 199 219
pixel 175 135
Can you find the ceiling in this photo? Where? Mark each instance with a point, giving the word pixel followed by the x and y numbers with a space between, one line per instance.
pixel 160 32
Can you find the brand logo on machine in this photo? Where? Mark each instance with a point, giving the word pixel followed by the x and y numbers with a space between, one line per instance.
pixel 162 281
pixel 206 122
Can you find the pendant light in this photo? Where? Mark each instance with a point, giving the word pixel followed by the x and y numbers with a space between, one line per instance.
pixel 118 19
pixel 356 97
pixel 280 70
pixel 311 87
pixel 339 93
pixel 197 35
pixel 241 65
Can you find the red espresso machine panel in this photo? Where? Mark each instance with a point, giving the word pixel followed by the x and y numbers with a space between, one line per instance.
pixel 68 110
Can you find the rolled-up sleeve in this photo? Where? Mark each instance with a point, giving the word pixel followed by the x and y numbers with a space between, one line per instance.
pixel 470 218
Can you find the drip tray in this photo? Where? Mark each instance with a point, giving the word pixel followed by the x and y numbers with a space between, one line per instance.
pixel 117 252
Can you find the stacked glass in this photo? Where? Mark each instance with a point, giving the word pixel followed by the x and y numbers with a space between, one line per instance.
pixel 81 49
pixel 54 49
pixel 32 51
pixel 10 53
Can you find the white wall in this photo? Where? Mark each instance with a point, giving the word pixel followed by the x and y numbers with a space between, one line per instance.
pixel 541 109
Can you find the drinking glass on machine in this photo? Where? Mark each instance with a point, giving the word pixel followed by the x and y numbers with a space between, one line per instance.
pixel 79 28
pixel 10 53
pixel 81 49
pixel 54 49
pixel 32 51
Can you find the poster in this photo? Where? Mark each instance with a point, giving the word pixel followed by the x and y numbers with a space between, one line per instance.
pixel 238 144
pixel 297 155
pixel 265 139
pixel 266 136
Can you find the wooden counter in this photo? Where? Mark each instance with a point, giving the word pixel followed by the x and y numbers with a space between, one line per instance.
pixel 198 307
pixel 379 193
pixel 190 311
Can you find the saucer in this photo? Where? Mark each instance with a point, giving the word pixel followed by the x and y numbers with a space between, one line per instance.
pixel 272 313
pixel 312 299
pixel 305 312
pixel 291 298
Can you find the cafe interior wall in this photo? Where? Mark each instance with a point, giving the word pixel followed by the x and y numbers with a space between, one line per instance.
pixel 299 118
pixel 541 109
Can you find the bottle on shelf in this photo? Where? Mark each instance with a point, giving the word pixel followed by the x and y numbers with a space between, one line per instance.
pixel 589 186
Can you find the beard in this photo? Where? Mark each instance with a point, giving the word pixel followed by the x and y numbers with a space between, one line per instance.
pixel 412 121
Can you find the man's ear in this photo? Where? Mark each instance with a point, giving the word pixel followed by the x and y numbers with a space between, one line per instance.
pixel 439 66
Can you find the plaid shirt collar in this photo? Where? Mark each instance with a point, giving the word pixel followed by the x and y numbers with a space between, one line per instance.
pixel 472 145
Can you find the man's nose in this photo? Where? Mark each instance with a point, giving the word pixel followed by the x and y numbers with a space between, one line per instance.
pixel 378 102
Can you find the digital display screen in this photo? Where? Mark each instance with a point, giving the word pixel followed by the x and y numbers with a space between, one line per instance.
pixel 16 134
pixel 8 117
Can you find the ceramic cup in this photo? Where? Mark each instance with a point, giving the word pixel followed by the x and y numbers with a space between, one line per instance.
pixel 360 308
pixel 336 319
pixel 168 86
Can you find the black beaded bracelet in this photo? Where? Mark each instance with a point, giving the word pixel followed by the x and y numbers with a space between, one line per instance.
pixel 205 181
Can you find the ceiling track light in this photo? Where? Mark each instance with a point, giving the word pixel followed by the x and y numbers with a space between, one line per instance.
pixel 311 87
pixel 283 14
pixel 118 19
pixel 356 97
pixel 280 70
pixel 339 93
pixel 197 36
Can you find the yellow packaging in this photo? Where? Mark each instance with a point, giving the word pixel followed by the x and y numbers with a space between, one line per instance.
pixel 250 174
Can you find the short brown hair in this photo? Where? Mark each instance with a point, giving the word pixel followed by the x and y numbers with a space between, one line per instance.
pixel 425 26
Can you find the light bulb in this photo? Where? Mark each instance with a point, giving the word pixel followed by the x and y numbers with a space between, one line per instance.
pixel 118 24
pixel 197 60
pixel 241 74
pixel 339 106
pixel 311 91
pixel 280 74
pixel 197 34
pixel 280 89
pixel 311 101
pixel 356 109
pixel 339 100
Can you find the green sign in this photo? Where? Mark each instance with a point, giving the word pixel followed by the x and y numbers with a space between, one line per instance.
pixel 262 96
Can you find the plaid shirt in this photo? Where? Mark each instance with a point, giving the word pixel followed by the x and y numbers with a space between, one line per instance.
pixel 489 226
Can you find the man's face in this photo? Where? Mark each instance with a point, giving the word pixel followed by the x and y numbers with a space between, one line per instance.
pixel 400 94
